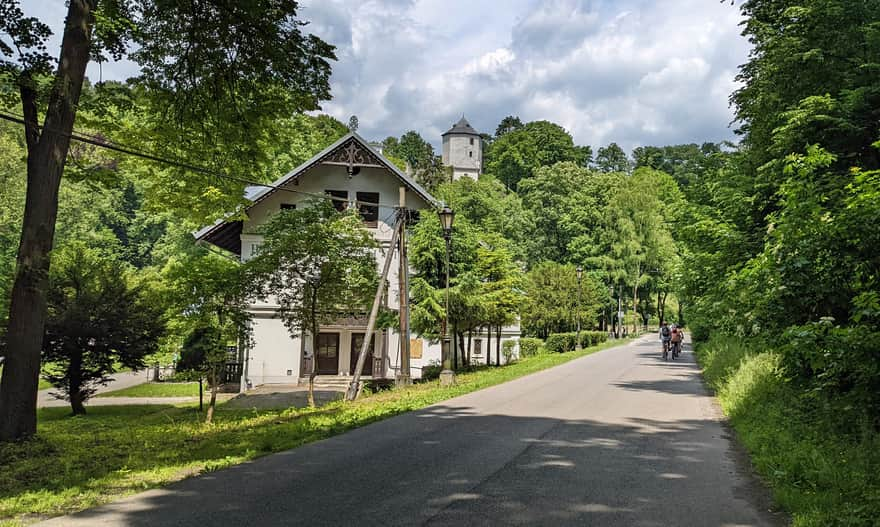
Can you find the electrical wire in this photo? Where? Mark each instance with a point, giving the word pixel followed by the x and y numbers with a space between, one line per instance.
pixel 118 147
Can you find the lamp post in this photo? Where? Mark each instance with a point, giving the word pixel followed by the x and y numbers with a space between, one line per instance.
pixel 577 345
pixel 447 376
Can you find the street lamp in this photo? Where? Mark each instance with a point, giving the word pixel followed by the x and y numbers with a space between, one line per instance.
pixel 577 345
pixel 447 376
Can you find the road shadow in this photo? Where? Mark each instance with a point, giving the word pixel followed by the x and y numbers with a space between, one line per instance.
pixel 448 465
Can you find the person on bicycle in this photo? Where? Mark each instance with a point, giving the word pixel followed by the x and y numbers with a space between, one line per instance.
pixel 676 338
pixel 665 336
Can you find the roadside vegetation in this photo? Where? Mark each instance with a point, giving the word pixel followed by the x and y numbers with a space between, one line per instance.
pixel 133 448
pixel 821 463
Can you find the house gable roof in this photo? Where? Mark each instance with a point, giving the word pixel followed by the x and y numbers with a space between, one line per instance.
pixel 351 151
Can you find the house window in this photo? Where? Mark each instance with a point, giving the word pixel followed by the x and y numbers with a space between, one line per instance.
pixel 255 249
pixel 288 206
pixel 472 140
pixel 341 203
pixel 370 213
pixel 478 346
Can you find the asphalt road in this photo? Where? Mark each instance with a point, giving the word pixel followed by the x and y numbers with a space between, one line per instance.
pixel 616 438
pixel 120 381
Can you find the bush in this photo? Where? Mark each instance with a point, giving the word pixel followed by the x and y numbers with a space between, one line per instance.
pixel 432 370
pixel 562 342
pixel 529 347
pixel 507 349
pixel 819 457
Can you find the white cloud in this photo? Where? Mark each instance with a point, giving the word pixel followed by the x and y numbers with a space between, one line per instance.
pixel 632 71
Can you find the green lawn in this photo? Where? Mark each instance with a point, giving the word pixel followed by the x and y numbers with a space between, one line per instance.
pixel 157 389
pixel 80 462
pixel 822 463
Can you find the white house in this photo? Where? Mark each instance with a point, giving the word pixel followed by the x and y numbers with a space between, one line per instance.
pixel 350 169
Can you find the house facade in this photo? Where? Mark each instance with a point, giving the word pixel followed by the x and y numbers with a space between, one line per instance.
pixel 349 170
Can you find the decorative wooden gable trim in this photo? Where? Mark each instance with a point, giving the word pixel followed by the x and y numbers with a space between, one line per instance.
pixel 352 154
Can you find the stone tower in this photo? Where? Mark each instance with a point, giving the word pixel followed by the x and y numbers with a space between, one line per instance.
pixel 463 150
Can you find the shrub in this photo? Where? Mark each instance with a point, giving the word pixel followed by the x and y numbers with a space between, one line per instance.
pixel 529 347
pixel 507 349
pixel 562 342
pixel 431 371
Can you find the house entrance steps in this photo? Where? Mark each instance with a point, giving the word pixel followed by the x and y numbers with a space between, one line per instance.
pixel 333 381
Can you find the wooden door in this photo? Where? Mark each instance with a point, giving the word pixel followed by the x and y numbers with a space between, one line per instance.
pixel 357 342
pixel 327 354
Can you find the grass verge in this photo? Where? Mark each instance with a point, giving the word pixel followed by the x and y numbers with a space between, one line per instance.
pixel 156 389
pixel 79 462
pixel 823 467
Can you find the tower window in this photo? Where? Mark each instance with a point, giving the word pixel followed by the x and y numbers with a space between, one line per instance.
pixel 472 140
pixel 471 154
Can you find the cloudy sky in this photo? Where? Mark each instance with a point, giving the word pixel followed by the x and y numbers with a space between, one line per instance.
pixel 632 71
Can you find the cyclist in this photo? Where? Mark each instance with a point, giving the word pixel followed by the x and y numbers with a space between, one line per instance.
pixel 676 338
pixel 665 337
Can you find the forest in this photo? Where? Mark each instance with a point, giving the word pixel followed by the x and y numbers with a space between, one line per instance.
pixel 766 249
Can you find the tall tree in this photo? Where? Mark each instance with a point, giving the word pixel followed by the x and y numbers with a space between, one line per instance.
pixel 612 158
pixel 508 124
pixel 97 320
pixel 216 70
pixel 517 154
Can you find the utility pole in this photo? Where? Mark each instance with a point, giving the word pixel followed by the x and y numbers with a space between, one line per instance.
pixel 404 377
pixel 354 389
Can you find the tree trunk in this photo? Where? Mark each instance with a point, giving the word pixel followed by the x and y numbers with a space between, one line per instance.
pixel 74 383
pixel 489 345
pixel 636 307
pixel 468 348
pixel 47 153
pixel 454 346
pixel 497 345
pixel 463 352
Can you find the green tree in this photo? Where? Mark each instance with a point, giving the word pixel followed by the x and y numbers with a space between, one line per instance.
pixel 558 208
pixel 215 74
pixel 550 303
pixel 96 320
pixel 318 264
pixel 517 154
pixel 612 158
pixel 637 230
pixel 508 124
pixel 203 354
pixel 207 294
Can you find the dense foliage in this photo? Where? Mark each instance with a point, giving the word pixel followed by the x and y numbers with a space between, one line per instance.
pixel 97 322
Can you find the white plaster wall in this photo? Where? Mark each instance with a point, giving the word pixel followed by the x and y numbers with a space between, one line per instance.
pixel 456 150
pixel 275 352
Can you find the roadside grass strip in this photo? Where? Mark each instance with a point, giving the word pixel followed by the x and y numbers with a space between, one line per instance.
pixel 821 461
pixel 157 389
pixel 113 451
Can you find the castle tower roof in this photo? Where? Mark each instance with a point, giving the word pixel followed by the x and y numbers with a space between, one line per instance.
pixel 462 127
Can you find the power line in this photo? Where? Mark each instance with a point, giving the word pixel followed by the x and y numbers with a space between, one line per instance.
pixel 118 147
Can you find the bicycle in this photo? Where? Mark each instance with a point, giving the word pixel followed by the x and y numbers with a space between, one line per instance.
pixel 666 346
